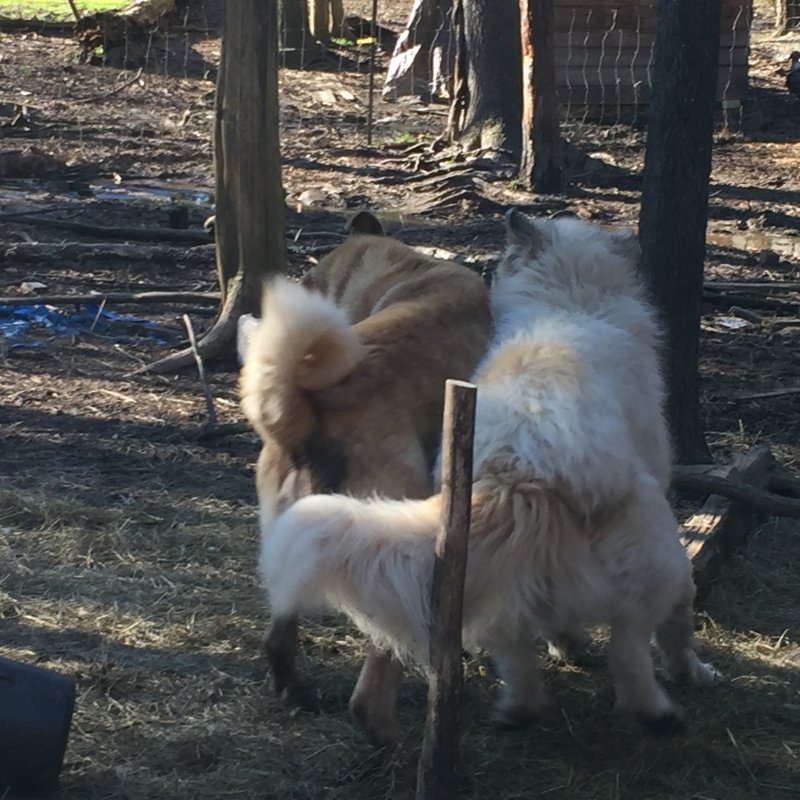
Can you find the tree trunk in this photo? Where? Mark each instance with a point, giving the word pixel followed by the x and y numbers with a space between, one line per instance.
pixel 294 32
pixel 494 69
pixel 540 165
pixel 318 19
pixel 337 18
pixel 249 196
pixel 422 59
pixel 672 224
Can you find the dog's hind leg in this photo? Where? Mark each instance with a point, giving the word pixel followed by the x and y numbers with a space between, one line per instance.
pixel 676 643
pixel 637 689
pixel 281 648
pixel 522 696
pixel 374 700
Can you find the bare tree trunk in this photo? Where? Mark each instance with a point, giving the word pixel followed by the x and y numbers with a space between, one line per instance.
pixel 540 165
pixel 249 195
pixel 294 34
pixel 494 64
pixel 318 18
pixel 459 101
pixel 674 209
pixel 422 59
pixel 337 17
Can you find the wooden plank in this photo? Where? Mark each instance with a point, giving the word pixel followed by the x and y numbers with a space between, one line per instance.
pixel 437 776
pixel 722 524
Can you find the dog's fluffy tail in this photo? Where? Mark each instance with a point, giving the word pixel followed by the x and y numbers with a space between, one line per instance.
pixel 373 559
pixel 303 343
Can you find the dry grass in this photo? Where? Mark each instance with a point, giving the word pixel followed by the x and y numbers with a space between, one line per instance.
pixel 162 624
pixel 127 549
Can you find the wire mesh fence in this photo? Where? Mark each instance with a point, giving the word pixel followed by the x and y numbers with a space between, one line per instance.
pixel 371 69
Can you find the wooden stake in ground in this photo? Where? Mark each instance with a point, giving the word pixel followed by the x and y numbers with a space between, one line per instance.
pixel 438 766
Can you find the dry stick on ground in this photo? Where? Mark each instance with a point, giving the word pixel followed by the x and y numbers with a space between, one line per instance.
pixel 751 301
pixel 760 499
pixel 181 236
pixel 722 524
pixel 784 481
pixel 201 372
pixel 212 298
pixel 81 252
pixel 781 480
pixel 208 434
pixel 105 95
pixel 771 393
pixel 437 775
pixel 752 286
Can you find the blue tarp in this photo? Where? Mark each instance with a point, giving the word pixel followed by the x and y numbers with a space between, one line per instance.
pixel 18 321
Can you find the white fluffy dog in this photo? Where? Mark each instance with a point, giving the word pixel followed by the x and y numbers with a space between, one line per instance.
pixel 570 525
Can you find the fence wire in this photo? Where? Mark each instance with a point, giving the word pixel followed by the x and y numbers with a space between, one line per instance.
pixel 604 60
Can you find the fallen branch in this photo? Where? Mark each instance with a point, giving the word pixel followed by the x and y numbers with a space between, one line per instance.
pixel 784 481
pixel 201 372
pixel 722 523
pixel 771 393
pixel 208 433
pixel 116 90
pixel 766 501
pixel 80 252
pixel 221 337
pixel 125 233
pixel 752 301
pixel 112 297
pixel 752 286
pixel 780 479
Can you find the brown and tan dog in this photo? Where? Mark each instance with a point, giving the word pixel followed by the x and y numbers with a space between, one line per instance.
pixel 343 379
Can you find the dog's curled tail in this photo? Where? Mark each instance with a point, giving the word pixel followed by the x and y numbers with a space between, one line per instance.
pixel 370 559
pixel 302 343
pixel 373 561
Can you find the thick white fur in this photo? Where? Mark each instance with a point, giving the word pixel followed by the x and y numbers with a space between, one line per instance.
pixel 570 524
pixel 303 341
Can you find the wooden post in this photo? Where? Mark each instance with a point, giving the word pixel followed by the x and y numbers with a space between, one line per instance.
pixel 437 776
pixel 540 165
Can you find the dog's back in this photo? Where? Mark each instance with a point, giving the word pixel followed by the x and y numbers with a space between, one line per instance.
pixel 346 374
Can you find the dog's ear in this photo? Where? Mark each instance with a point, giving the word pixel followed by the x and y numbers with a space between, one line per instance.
pixel 364 222
pixel 626 243
pixel 523 231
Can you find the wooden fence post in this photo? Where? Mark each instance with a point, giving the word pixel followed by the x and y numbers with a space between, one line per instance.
pixel 437 777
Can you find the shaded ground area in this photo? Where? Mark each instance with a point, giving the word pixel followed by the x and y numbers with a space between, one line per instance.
pixel 127 542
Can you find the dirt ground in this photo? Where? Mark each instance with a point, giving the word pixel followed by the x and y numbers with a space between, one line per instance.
pixel 127 540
